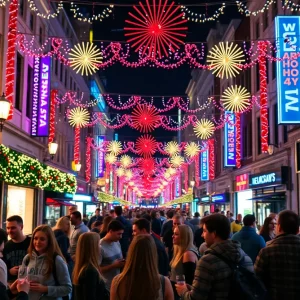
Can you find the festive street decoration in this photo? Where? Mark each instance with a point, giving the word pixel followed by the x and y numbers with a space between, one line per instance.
pixel 242 8
pixel 78 117
pixel 238 139
pixel 176 161
pixel 120 172
pixel 19 169
pixel 146 145
pixel 11 54
pixel 204 129
pixel 188 198
pixel 52 116
pixel 85 58
pixel 225 59
pixel 147 165
pixel 172 148
pixel 236 99
pixel 191 149
pixel 156 28
pixel 115 147
pixel 88 159
pixel 110 158
pixel 211 150
pixel 125 161
pixel 262 47
pixel 32 7
pixel 145 118
pixel 107 198
pixel 128 174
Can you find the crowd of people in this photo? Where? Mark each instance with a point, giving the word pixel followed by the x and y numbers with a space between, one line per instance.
pixel 150 255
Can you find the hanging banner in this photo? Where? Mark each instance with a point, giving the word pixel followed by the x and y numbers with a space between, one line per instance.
pixel 288 84
pixel 230 140
pixel 41 97
pixel 204 166
pixel 100 160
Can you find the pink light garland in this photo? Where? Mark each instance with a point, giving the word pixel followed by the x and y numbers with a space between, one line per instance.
pixel 77 144
pixel 238 139
pixel 52 116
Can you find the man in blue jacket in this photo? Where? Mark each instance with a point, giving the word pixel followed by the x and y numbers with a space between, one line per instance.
pixel 250 241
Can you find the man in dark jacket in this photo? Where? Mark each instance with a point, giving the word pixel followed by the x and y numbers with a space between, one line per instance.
pixel 278 265
pixel 143 226
pixel 95 218
pixel 127 235
pixel 213 275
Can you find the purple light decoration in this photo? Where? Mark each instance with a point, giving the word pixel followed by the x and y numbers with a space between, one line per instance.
pixel 100 162
pixel 230 140
pixel 204 165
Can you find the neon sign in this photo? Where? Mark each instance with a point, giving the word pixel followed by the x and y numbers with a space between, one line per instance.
pixel 204 166
pixel 100 162
pixel 230 140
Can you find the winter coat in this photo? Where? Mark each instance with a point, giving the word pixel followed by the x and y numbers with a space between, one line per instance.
pixel 213 275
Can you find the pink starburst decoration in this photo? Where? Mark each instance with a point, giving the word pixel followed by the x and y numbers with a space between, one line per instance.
pixel 145 118
pixel 156 27
pixel 146 145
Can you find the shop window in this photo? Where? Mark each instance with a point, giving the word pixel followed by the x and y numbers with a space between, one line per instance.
pixel 20 201
pixel 52 214
pixel 29 91
pixel 19 82
pixel 258 136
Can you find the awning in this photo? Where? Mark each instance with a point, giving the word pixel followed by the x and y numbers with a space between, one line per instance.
pixel 56 202
pixel 269 197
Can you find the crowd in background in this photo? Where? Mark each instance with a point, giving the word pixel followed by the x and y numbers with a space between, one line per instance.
pixel 149 254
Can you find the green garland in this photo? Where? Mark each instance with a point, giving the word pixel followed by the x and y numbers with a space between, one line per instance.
pixel 19 169
pixel 103 197
pixel 183 199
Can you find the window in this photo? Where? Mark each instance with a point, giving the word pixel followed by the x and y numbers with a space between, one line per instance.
pixel 266 19
pixel 19 85
pixel 274 10
pixel 21 8
pixel 285 134
pixel 71 82
pixel 61 72
pixel 56 67
pixel 74 87
pixel 31 21
pixel 275 125
pixel 41 35
pixel 66 77
pixel 29 91
pixel 257 29
pixel 258 136
pixel 247 140
pixel 257 77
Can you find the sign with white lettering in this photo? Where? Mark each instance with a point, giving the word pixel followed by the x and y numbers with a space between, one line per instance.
pixel 100 161
pixel 217 198
pixel 265 179
pixel 288 84
pixel 41 96
pixel 229 140
pixel 204 166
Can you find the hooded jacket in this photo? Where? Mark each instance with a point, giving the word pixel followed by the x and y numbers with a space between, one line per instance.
pixel 213 275
pixel 37 266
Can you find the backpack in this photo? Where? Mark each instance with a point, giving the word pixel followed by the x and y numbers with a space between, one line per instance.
pixel 244 284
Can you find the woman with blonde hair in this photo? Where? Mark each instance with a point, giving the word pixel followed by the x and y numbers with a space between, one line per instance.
pixel 140 278
pixel 46 269
pixel 185 256
pixel 87 280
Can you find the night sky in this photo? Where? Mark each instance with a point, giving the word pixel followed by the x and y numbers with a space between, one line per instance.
pixel 146 80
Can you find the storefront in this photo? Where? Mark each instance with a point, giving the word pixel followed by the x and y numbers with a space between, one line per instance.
pixel 203 205
pixel 269 192
pixel 221 202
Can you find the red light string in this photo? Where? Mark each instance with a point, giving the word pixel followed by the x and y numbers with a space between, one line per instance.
pixel 88 159
pixel 52 116
pixel 11 54
pixel 238 139
pixel 262 46
pixel 77 145
pixel 211 151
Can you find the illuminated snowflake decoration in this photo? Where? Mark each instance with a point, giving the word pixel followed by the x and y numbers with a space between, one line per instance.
pixel 172 148
pixel 110 158
pixel 145 118
pixel 78 117
pixel 114 147
pixel 176 161
pixel 120 172
pixel 128 174
pixel 146 145
pixel 191 149
pixel 125 161
pixel 85 58
pixel 204 129
pixel 156 28
pixel 225 59
pixel 236 99
pixel 171 171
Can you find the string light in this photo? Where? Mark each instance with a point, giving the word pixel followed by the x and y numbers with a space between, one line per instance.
pixel 114 147
pixel 172 148
pixel 236 99
pixel 85 58
pixel 225 59
pixel 242 8
pixel 78 117
pixel 52 116
pixel 211 151
pixel 291 5
pixel 128 174
pixel 204 129
pixel 176 161
pixel 120 172
pixel 110 158
pixel 191 149
pixel 49 15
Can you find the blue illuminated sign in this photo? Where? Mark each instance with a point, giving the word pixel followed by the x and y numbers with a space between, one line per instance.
pixel 265 179
pixel 96 93
pixel 288 85
pixel 220 198
pixel 100 159
pixel 204 166
pixel 230 140
pixel 205 199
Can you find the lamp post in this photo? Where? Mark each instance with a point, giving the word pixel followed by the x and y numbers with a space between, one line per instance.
pixel 192 183
pixel 4 112
pixel 52 148
pixel 78 167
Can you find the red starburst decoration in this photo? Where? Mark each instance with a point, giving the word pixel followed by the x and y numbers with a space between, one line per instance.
pixel 147 165
pixel 146 145
pixel 145 118
pixel 156 27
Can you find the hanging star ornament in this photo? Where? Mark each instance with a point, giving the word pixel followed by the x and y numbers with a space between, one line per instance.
pixel 225 59
pixel 145 118
pixel 114 147
pixel 120 172
pixel 146 145
pixel 156 28
pixel 110 158
pixel 78 117
pixel 204 129
pixel 172 148
pixel 125 161
pixel 236 99
pixel 128 174
pixel 85 58
pixel 176 161
pixel 191 149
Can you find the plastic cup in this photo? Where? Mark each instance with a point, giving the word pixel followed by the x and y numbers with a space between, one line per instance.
pixel 180 279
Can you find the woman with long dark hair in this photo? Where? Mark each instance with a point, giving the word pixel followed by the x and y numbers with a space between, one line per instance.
pixel 267 231
pixel 140 278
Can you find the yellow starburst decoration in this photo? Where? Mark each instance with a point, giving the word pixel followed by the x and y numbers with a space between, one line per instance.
pixel 128 174
pixel 225 59
pixel 177 161
pixel 114 147
pixel 110 158
pixel 171 171
pixel 191 149
pixel 78 117
pixel 167 175
pixel 125 161
pixel 236 99
pixel 85 58
pixel 172 148
pixel 204 129
pixel 120 172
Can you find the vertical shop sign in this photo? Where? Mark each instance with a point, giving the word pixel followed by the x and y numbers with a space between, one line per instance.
pixel 204 165
pixel 100 161
pixel 230 140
